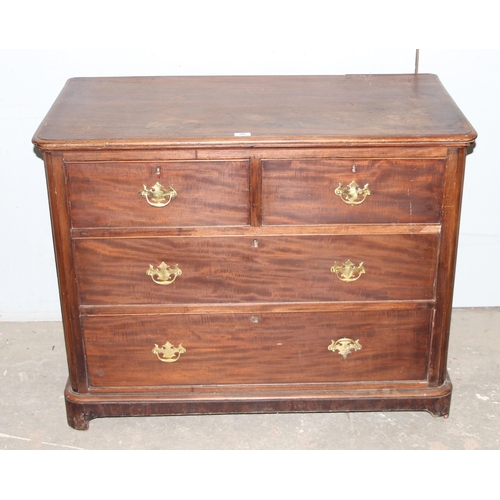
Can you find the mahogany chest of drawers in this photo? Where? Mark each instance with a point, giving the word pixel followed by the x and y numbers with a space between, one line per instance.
pixel 255 244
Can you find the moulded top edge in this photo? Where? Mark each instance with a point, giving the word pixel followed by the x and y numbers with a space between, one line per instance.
pixel 252 111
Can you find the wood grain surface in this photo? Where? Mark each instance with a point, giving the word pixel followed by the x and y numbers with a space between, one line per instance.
pixel 233 269
pixel 257 349
pixel 144 112
pixel 209 193
pixel 303 191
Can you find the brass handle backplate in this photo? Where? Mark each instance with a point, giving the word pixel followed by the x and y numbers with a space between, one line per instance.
pixel 348 271
pixel 344 346
pixel 165 275
pixel 157 195
pixel 168 353
pixel 352 194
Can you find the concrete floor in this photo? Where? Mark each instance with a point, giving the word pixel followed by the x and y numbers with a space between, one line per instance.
pixel 33 374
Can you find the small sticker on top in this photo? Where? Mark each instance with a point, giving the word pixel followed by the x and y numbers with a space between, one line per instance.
pixel 242 134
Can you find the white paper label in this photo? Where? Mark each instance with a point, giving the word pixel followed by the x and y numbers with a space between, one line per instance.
pixel 242 134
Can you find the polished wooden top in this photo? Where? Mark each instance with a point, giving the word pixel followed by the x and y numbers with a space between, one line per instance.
pixel 206 111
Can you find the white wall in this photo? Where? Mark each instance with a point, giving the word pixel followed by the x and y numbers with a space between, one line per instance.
pixel 30 80
pixel 472 77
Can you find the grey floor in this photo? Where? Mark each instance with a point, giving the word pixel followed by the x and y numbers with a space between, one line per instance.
pixel 33 374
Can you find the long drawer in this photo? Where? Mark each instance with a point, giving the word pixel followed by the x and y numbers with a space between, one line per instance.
pixel 259 349
pixel 325 191
pixel 184 270
pixel 166 193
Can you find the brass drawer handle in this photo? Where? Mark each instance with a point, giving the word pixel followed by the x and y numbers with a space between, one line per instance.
pixel 348 271
pixel 352 193
pixel 344 346
pixel 165 274
pixel 157 195
pixel 169 353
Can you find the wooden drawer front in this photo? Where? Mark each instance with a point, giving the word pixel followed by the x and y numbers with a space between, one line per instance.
pixel 208 193
pixel 303 191
pixel 264 269
pixel 257 349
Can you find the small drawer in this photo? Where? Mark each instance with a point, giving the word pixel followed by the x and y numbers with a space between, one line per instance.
pixel 167 193
pixel 188 270
pixel 353 191
pixel 285 348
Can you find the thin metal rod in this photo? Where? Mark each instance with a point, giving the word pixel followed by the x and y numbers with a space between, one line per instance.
pixel 417 54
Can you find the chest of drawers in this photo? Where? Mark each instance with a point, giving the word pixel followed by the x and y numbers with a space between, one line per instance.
pixel 255 244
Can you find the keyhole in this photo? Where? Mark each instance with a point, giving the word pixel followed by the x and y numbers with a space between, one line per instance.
pixel 353 168
pixel 158 170
pixel 255 243
pixel 254 319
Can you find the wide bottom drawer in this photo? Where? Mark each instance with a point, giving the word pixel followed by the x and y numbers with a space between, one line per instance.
pixel 286 348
